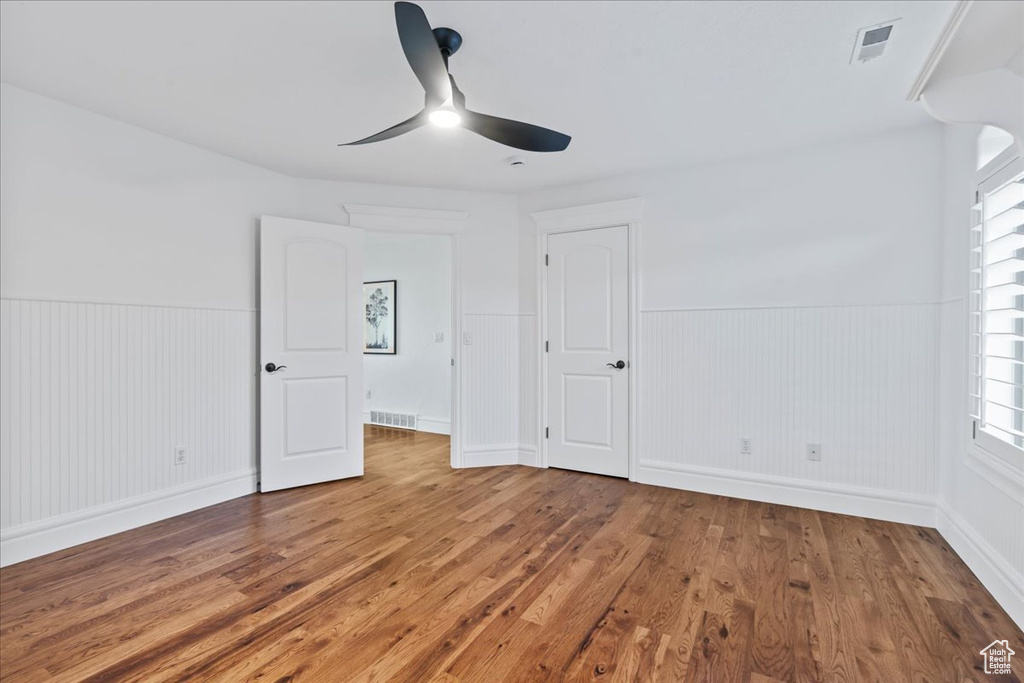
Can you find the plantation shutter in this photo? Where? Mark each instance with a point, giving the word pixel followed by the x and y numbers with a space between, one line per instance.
pixel 996 362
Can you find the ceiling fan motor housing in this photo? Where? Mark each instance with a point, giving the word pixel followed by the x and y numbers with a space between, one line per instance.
pixel 449 40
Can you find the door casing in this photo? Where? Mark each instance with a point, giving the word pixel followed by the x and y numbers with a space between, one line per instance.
pixel 624 212
pixel 450 224
pixel 454 332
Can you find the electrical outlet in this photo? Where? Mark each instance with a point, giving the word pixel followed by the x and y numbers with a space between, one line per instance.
pixel 180 455
pixel 467 338
pixel 746 445
pixel 814 451
pixel 438 337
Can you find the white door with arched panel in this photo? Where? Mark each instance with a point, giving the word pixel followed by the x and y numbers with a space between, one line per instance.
pixel 588 351
pixel 311 353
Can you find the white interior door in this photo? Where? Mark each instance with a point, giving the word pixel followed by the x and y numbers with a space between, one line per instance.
pixel 311 353
pixel 588 351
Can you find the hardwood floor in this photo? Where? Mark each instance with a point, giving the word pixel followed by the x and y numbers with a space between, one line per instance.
pixel 417 572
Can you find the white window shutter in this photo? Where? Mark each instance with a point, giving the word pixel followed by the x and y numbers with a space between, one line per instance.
pixel 996 310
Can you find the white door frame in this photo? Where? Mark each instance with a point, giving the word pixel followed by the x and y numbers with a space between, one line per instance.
pixel 451 224
pixel 625 212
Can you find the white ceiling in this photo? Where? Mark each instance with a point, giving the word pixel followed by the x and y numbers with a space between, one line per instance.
pixel 638 85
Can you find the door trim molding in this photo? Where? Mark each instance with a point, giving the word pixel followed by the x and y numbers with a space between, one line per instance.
pixel 588 216
pixel 623 212
pixel 402 219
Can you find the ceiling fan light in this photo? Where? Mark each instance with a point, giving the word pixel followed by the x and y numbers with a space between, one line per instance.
pixel 445 117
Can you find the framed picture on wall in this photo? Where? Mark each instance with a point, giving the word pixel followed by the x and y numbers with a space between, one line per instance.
pixel 380 328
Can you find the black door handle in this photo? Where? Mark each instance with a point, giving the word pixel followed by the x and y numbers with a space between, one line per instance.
pixel 618 366
pixel 270 367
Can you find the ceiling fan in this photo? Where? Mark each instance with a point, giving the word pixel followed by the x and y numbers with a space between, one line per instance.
pixel 428 51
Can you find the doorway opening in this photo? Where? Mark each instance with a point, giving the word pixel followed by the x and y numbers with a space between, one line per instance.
pixel 408 340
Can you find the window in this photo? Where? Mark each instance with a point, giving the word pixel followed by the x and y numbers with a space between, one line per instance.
pixel 992 142
pixel 996 326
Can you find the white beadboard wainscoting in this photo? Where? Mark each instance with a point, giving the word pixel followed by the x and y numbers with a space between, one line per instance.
pixel 94 399
pixel 491 390
pixel 861 381
pixel 981 499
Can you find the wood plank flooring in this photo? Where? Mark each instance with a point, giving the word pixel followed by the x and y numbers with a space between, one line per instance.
pixel 416 572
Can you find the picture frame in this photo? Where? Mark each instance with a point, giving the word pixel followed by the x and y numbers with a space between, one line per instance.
pixel 380 319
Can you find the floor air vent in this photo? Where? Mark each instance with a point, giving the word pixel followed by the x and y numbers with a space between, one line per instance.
pixel 385 419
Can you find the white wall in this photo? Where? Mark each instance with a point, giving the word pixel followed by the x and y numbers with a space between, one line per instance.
pixel 981 503
pixel 94 210
pixel 129 260
pixel 791 298
pixel 848 223
pixel 417 379
pixel 126 277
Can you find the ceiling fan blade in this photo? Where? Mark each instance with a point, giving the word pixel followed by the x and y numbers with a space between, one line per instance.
pixel 394 131
pixel 422 51
pixel 516 134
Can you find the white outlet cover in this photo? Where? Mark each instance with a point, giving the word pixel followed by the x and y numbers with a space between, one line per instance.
pixel 438 337
pixel 746 445
pixel 467 338
pixel 814 451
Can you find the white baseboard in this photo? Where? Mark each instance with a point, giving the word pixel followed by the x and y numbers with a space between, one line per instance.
pixel 490 456
pixel 26 541
pixel 528 455
pixel 846 500
pixel 997 575
pixel 433 425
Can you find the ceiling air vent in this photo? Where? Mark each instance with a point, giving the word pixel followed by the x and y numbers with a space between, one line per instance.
pixel 871 42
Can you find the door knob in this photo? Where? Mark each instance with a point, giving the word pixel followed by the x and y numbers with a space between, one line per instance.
pixel 270 367
pixel 618 366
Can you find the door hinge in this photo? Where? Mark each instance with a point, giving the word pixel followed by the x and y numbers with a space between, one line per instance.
pixel 453 362
pixel 546 260
pixel 974 429
pixel 547 347
pixel 977 196
pixel 547 432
